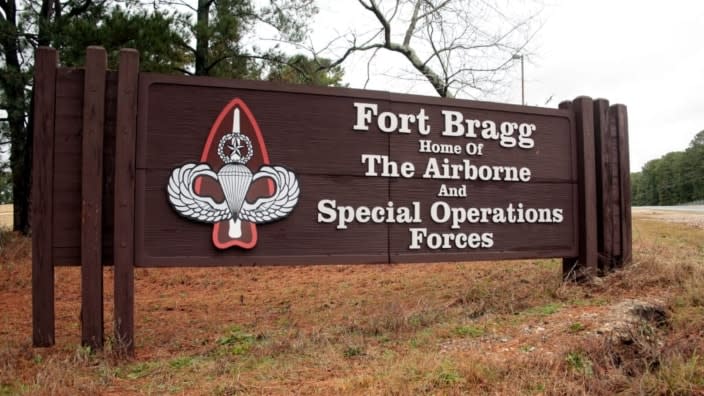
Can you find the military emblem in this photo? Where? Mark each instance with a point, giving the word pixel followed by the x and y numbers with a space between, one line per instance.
pixel 234 198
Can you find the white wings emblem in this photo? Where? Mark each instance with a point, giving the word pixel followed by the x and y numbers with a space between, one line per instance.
pixel 188 204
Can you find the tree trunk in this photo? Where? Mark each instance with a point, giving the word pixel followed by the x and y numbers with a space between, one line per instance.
pixel 22 137
pixel 13 84
pixel 202 37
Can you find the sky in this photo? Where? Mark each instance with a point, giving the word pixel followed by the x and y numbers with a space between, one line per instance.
pixel 645 54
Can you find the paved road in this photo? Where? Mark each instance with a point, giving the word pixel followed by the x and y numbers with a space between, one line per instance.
pixel 689 208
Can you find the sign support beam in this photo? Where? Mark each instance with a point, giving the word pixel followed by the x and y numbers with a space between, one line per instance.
pixel 123 245
pixel 92 198
pixel 43 197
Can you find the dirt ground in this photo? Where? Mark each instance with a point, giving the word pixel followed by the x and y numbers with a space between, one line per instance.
pixel 448 328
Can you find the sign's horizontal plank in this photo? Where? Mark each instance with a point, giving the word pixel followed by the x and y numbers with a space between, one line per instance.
pixel 295 128
pixel 67 160
pixel 300 122
pixel 188 82
pixel 166 239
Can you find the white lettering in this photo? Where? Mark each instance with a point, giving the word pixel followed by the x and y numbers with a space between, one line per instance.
pixel 364 115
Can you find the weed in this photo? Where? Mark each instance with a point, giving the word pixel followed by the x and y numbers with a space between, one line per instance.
pixel 140 370
pixel 82 354
pixel 16 389
pixel 544 310
pixel 679 377
pixel 446 375
pixel 537 388
pixel 579 362
pixel 576 327
pixel 353 351
pixel 181 362
pixel 420 339
pixel 239 342
pixel 469 331
pixel 424 318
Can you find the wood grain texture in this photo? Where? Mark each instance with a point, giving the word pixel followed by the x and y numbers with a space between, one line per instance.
pixel 92 198
pixel 570 262
pixel 163 238
pixel 605 203
pixel 584 111
pixel 306 129
pixel 621 114
pixel 46 60
pixel 551 160
pixel 67 171
pixel 614 193
pixel 519 240
pixel 310 130
pixel 296 127
pixel 125 138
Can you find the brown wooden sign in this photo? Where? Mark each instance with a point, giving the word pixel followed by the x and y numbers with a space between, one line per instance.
pixel 156 170
pixel 382 177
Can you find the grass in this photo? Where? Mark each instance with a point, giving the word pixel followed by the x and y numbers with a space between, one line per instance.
pixel 6 218
pixel 580 363
pixel 466 328
pixel 469 331
pixel 576 327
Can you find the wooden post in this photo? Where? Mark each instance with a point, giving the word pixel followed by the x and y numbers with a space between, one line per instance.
pixel 607 197
pixel 568 263
pixel 620 114
pixel 46 61
pixel 92 198
pixel 585 265
pixel 126 134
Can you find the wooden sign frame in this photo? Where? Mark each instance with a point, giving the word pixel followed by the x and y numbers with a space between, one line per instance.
pixel 101 168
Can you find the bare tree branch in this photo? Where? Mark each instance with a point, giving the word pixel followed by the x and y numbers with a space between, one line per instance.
pixel 412 25
pixel 457 46
pixel 369 63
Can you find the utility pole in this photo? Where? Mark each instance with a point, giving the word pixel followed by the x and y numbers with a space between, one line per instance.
pixel 523 81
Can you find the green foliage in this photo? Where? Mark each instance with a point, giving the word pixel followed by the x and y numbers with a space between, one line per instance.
pixel 300 69
pixel 221 30
pixel 676 177
pixel 580 363
pixel 181 362
pixel 469 331
pixel 238 341
pixel 218 31
pixel 352 351
pixel 544 310
pixel 446 375
pixel 140 370
pixel 5 186
pixel 156 35
pixel 576 327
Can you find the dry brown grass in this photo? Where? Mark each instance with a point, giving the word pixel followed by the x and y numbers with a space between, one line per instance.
pixel 467 328
pixel 6 216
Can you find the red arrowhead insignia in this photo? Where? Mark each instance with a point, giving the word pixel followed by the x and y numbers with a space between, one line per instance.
pixel 222 126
